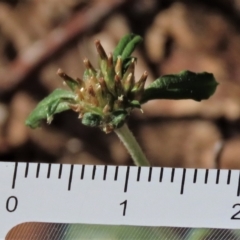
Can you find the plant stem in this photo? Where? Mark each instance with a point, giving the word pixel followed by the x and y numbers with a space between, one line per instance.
pixel 132 146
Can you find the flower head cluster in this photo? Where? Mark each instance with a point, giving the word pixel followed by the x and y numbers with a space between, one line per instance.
pixel 105 96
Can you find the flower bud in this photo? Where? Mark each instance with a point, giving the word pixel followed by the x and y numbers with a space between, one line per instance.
pixel 118 67
pixel 138 88
pixel 129 83
pixel 70 82
pixel 100 50
pixel 110 61
pixel 130 69
pixel 89 68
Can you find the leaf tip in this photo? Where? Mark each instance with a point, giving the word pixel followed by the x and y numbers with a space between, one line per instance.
pixel 30 124
pixel 60 72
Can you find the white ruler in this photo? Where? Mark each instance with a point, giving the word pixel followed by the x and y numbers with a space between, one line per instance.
pixel 144 196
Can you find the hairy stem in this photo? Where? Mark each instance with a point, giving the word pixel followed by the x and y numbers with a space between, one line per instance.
pixel 132 146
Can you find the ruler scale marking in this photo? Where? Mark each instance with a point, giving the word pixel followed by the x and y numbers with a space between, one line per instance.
pixel 126 179
pixel 93 172
pixel 150 174
pixel 183 181
pixel 38 170
pixel 14 175
pixel 70 177
pixel 116 174
pixel 161 174
pixel 60 171
pixel 195 176
pixel 191 208
pixel 229 177
pixel 206 176
pixel 238 190
pixel 172 174
pixel 82 172
pixel 218 176
pixel 49 170
pixel 26 170
pixel 105 172
pixel 138 174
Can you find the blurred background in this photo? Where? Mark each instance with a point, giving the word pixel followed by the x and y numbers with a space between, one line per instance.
pixel 39 36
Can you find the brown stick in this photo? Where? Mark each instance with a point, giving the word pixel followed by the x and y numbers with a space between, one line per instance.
pixel 41 50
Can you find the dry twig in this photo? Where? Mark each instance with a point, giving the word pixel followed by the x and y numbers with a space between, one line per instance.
pixel 42 50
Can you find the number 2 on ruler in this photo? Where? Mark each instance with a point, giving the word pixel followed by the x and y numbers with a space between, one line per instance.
pixel 236 216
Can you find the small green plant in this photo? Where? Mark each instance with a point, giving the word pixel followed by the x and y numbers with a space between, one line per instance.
pixel 105 97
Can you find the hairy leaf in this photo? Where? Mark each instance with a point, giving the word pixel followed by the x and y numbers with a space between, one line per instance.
pixel 135 104
pixel 126 46
pixel 54 103
pixel 131 46
pixel 91 119
pixel 121 45
pixel 185 85
pixel 118 118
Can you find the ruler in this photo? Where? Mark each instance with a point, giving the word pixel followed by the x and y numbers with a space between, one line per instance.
pixel 118 195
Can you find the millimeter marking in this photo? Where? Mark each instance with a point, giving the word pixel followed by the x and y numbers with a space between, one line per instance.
pixel 49 170
pixel 183 181
pixel 38 170
pixel 218 175
pixel 161 174
pixel 14 175
pixel 60 171
pixel 150 174
pixel 82 172
pixel 93 172
pixel 116 173
pixel 195 176
pixel 70 177
pixel 26 169
pixel 238 190
pixel 172 175
pixel 105 172
pixel 138 174
pixel 126 179
pixel 139 171
pixel 206 176
pixel 229 177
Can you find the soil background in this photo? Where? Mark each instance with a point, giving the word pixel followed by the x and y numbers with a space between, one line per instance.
pixel 39 36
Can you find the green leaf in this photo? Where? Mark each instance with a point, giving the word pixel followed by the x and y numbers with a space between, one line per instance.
pixel 118 118
pixel 54 103
pixel 126 46
pixel 121 45
pixel 91 119
pixel 131 46
pixel 185 85
pixel 135 104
